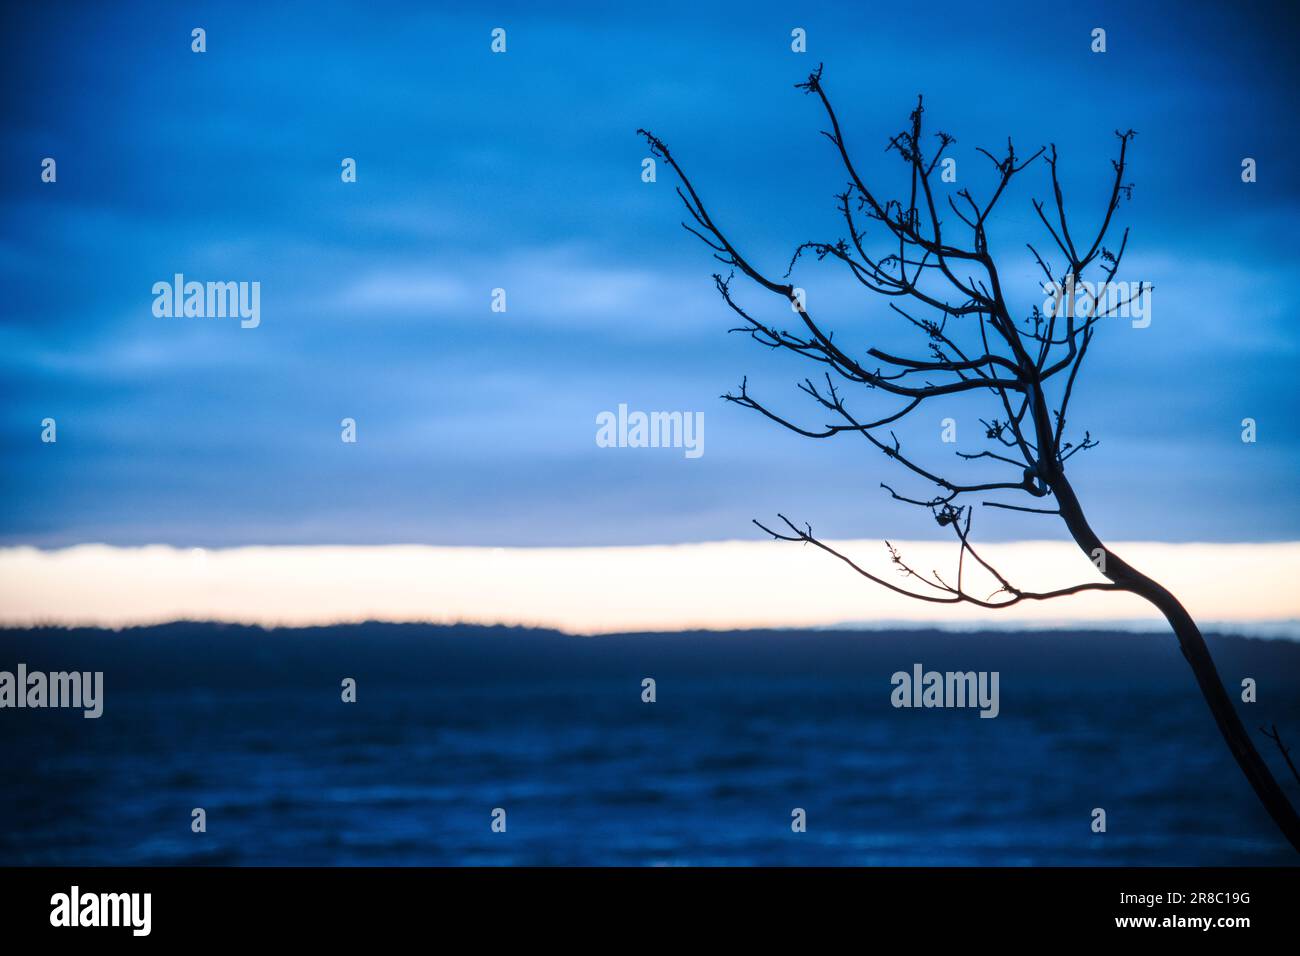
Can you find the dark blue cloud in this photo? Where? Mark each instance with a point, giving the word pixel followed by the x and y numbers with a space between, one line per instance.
pixel 522 172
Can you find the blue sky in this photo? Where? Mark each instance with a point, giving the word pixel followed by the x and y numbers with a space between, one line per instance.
pixel 522 171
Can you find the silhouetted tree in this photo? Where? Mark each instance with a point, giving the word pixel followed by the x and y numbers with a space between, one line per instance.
pixel 953 296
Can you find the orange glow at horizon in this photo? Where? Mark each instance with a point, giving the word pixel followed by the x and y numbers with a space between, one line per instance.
pixel 598 590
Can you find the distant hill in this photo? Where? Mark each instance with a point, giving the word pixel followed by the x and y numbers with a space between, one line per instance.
pixel 204 654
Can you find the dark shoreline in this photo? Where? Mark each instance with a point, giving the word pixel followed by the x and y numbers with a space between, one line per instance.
pixel 205 652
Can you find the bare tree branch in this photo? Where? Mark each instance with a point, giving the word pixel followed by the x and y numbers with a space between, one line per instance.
pixel 1274 736
pixel 973 345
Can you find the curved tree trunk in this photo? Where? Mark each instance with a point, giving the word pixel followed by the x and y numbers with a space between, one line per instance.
pixel 1198 656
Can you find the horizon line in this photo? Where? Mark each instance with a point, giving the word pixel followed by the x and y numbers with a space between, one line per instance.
pixel 1282 629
